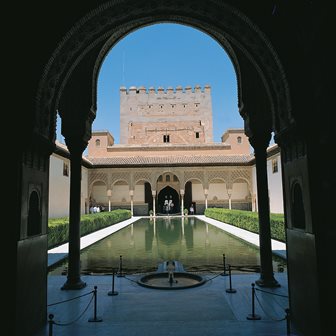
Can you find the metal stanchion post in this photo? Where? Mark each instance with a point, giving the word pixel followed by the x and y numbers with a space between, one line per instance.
pixel 230 290
pixel 288 321
pixel 95 318
pixel 120 274
pixel 51 323
pixel 253 316
pixel 112 292
pixel 224 266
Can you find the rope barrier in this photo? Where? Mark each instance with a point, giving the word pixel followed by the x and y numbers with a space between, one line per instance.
pixel 52 322
pixel 271 317
pixel 64 324
pixel 282 295
pixel 253 315
pixel 74 298
pixel 216 276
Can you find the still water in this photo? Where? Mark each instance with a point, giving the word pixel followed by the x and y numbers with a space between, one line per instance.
pixel 199 246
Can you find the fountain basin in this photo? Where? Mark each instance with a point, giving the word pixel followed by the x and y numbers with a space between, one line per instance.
pixel 163 279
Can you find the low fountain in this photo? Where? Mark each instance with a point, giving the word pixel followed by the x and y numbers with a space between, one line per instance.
pixel 171 275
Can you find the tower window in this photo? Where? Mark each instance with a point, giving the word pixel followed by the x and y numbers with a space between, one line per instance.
pixel 239 139
pixel 167 178
pixel 65 169
pixel 166 138
pixel 197 135
pixel 97 142
pixel 275 165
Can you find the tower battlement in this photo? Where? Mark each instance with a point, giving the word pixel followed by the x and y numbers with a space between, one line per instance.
pixel 165 115
pixel 161 90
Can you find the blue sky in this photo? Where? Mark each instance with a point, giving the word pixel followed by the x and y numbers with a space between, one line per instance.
pixel 168 55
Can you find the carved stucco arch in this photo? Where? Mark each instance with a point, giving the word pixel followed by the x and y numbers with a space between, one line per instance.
pixel 195 178
pixel 114 181
pixel 103 27
pixel 93 183
pixel 166 171
pixel 248 182
pixel 96 176
pixel 217 178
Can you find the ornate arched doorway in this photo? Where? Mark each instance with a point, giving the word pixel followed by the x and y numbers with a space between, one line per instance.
pixel 168 201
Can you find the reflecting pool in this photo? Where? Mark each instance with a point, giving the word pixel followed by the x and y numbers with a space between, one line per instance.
pixel 199 246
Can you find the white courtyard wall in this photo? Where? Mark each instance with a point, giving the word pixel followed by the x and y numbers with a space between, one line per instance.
pixel 59 187
pixel 197 192
pixel 239 191
pixel 217 190
pixel 99 194
pixel 139 193
pixel 274 186
pixel 120 194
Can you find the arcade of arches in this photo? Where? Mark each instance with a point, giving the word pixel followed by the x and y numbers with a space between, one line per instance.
pixel 183 186
pixel 272 46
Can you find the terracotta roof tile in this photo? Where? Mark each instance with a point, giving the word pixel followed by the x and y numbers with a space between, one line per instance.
pixel 172 160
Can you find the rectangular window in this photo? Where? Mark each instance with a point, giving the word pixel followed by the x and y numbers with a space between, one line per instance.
pixel 197 135
pixel 65 169
pixel 166 138
pixel 275 166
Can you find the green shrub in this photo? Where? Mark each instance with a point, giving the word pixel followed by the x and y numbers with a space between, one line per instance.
pixel 58 228
pixel 248 220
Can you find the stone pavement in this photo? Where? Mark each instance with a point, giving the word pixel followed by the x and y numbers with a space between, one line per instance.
pixel 139 311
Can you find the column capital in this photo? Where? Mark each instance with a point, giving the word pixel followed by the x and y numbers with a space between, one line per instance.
pixel 182 192
pixel 153 193
pixel 260 140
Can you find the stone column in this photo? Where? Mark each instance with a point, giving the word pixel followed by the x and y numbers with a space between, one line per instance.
pixel 154 206
pixel 182 201
pixel 206 192
pixel 229 191
pixel 260 144
pixel 109 194
pixel 74 280
pixel 131 193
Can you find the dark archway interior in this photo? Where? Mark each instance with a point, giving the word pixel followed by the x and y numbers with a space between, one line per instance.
pixel 148 196
pixel 168 201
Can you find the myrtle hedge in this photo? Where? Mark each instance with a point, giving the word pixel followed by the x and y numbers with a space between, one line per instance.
pixel 58 228
pixel 249 221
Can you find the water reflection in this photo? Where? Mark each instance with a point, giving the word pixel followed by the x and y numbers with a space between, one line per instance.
pixel 148 242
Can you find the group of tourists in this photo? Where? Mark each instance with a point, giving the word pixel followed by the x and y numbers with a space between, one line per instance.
pixel 96 209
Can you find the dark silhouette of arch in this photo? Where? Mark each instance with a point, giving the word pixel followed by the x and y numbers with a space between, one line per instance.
pixel 34 215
